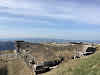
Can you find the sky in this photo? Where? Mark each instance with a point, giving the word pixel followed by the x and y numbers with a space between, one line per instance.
pixel 60 19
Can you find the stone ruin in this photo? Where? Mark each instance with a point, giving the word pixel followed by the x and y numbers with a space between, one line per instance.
pixel 87 50
pixel 25 50
pixel 31 60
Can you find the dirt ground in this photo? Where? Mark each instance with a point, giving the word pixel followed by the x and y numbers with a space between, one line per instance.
pixel 15 67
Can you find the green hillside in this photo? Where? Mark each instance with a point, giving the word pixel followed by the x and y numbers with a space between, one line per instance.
pixel 89 65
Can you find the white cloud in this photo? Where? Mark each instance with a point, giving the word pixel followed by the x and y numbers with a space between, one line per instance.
pixel 73 11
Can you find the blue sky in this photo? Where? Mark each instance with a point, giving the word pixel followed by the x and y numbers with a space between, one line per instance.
pixel 62 19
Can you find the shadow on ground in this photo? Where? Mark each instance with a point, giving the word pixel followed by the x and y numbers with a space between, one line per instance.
pixel 3 71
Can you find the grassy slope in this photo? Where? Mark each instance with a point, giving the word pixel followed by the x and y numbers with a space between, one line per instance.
pixel 85 66
pixel 15 67
pixel 18 67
